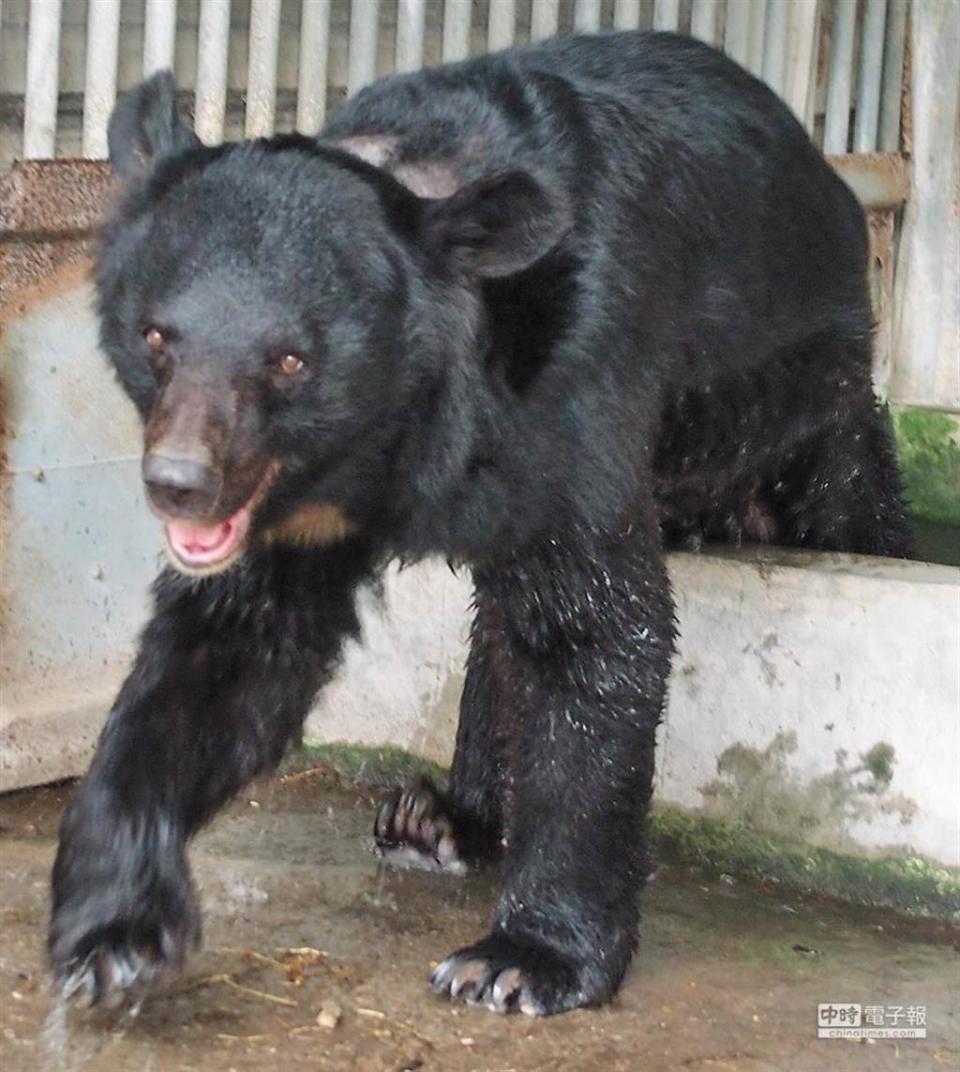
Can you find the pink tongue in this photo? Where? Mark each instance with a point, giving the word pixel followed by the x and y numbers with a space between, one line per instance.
pixel 205 545
pixel 198 538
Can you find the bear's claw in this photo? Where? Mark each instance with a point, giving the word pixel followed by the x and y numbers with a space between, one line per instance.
pixel 507 975
pixel 412 829
pixel 113 975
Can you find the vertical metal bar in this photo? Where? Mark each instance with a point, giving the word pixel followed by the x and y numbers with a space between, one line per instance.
pixel 411 19
pixel 867 119
pixel 262 68
pixel 544 19
pixel 926 340
pixel 666 15
pixel 810 108
pixel 457 16
pixel 703 20
pixel 100 79
pixel 626 14
pixel 586 16
pixel 802 19
pixel 213 42
pixel 159 35
pixel 501 24
pixel 757 35
pixel 890 98
pixel 736 35
pixel 40 98
pixel 362 53
pixel 840 77
pixel 312 73
pixel 775 45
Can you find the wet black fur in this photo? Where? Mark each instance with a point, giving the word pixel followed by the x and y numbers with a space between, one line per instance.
pixel 652 327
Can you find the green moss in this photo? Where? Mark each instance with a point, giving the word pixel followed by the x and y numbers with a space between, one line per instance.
pixel 908 884
pixel 355 765
pixel 756 787
pixel 879 762
pixel 928 443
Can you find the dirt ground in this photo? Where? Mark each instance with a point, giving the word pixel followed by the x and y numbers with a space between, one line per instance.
pixel 301 920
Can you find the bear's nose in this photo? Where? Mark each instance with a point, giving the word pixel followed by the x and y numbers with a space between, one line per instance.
pixel 180 487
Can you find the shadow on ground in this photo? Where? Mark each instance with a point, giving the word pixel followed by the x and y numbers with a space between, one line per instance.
pixel 301 921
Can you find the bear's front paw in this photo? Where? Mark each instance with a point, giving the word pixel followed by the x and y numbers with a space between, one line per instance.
pixel 413 829
pixel 506 975
pixel 103 954
pixel 124 909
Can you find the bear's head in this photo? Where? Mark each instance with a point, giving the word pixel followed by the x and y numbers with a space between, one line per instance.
pixel 301 333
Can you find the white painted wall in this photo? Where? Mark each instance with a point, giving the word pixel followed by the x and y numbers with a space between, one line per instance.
pixel 846 652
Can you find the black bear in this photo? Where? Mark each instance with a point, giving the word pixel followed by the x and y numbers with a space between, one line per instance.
pixel 543 312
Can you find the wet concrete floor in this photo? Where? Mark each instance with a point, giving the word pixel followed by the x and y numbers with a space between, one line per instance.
pixel 301 920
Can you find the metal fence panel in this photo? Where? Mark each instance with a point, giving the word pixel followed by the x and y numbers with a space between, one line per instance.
pixel 926 327
pixel 314 51
pixel 257 66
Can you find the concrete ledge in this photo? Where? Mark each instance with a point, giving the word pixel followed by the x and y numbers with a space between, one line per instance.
pixel 816 696
pixel 819 695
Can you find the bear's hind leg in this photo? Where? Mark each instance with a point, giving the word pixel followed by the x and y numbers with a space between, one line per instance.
pixel 842 490
pixel 420 826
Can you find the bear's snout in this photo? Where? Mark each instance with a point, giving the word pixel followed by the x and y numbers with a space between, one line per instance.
pixel 180 486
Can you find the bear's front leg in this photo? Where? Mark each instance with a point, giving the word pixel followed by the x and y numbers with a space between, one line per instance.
pixel 225 674
pixel 587 630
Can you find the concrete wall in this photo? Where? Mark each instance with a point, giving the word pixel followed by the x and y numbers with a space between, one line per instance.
pixel 818 694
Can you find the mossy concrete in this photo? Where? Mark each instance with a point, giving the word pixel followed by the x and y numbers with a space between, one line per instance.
pixel 848 657
pixel 817 694
pixel 906 883
pixel 356 766
pixel 757 786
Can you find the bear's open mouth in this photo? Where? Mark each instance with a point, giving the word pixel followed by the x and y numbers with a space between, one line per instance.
pixel 205 548
pixel 198 547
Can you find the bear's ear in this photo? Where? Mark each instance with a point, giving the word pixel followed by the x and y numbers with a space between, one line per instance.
pixel 146 126
pixel 497 226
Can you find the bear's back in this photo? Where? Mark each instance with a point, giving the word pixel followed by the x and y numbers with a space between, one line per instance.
pixel 692 181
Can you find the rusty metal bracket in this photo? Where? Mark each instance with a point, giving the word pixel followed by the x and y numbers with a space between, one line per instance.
pixel 880 180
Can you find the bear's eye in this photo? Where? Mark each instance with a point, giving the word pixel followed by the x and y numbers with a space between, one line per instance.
pixel 289 364
pixel 155 339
